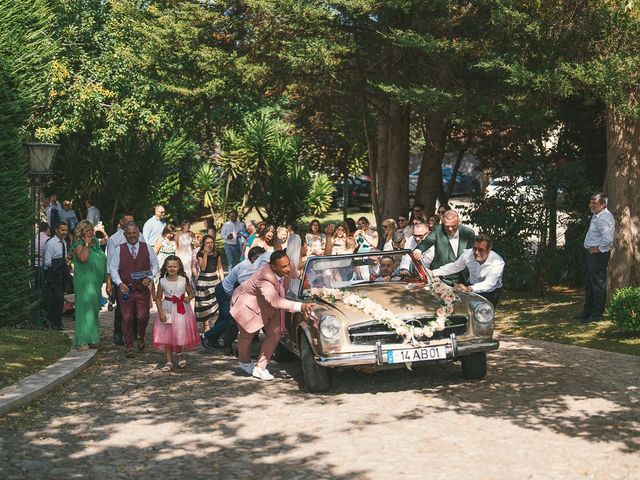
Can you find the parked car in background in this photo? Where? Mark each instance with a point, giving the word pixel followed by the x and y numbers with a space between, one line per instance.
pixel 520 188
pixel 465 185
pixel 358 194
pixel 524 188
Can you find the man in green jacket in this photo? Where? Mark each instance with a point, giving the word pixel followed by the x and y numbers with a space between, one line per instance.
pixel 450 239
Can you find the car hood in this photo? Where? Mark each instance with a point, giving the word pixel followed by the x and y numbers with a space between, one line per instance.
pixel 403 299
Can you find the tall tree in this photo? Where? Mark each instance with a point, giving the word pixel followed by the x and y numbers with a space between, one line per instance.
pixel 26 51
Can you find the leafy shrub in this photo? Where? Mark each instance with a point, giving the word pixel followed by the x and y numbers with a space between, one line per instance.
pixel 320 196
pixel 624 309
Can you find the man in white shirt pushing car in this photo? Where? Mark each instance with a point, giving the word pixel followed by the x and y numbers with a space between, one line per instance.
pixel 485 269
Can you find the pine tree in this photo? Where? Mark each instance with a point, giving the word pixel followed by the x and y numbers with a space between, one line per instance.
pixel 15 233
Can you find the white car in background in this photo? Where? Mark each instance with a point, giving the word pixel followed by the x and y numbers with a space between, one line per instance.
pixel 525 188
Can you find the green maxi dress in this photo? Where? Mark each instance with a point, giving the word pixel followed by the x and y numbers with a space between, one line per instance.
pixel 88 278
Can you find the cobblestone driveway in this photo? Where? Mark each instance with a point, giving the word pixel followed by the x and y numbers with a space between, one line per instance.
pixel 544 411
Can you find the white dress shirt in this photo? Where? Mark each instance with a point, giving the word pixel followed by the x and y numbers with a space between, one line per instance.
pixel 601 231
pixel 485 277
pixel 54 249
pixel 55 206
pixel 114 242
pixel 454 241
pixel 114 263
pixel 231 228
pixel 93 215
pixel 427 256
pixel 40 242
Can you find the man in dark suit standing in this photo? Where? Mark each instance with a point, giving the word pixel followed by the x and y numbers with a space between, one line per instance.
pixel 55 274
pixel 449 240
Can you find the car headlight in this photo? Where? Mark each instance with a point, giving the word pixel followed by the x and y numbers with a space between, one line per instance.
pixel 483 312
pixel 330 327
pixel 483 319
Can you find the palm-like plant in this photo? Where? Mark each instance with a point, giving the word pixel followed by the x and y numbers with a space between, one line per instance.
pixel 272 160
pixel 207 186
pixel 320 195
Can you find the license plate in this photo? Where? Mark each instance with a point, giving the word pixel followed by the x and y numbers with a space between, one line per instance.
pixel 417 354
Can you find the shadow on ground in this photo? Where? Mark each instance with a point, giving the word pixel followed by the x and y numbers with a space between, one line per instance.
pixel 124 419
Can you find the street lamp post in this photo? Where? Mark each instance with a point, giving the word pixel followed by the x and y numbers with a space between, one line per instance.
pixel 40 156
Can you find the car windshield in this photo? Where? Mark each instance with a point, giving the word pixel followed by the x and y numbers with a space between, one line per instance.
pixel 342 271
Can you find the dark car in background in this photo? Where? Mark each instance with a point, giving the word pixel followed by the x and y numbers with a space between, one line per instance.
pixel 358 193
pixel 465 185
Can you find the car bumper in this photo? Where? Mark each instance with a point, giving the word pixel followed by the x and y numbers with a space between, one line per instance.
pixel 378 355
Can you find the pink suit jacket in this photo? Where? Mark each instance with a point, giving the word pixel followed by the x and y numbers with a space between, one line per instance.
pixel 257 301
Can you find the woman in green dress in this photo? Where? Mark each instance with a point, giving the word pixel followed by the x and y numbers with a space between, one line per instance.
pixel 89 273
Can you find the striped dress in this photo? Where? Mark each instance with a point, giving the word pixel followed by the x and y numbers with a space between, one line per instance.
pixel 206 308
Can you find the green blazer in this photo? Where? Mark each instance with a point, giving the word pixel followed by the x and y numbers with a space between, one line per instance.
pixel 444 253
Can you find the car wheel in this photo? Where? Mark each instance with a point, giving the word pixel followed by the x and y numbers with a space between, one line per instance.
pixel 474 366
pixel 282 354
pixel 316 378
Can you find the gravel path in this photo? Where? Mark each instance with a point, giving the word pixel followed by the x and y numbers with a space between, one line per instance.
pixel 544 411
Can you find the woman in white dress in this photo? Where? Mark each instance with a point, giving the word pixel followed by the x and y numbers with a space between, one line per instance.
pixel 184 244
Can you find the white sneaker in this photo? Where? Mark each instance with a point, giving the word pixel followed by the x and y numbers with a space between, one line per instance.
pixel 262 373
pixel 247 367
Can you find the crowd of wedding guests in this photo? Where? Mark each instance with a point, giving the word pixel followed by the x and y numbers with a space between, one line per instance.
pixel 182 270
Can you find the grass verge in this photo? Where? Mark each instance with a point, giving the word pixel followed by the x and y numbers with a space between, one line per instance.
pixel 551 318
pixel 24 352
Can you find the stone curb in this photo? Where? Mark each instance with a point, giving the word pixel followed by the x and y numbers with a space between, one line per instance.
pixel 56 374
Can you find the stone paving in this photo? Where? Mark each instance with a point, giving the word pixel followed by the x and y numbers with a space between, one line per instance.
pixel 544 411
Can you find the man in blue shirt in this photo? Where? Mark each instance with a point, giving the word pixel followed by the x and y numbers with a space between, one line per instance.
pixel 153 227
pixel 597 244
pixel 68 215
pixel 224 291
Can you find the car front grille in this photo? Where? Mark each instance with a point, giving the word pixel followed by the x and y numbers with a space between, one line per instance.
pixel 371 332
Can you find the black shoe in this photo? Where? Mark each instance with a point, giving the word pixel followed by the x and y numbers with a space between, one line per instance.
pixel 595 318
pixel 581 317
pixel 228 350
pixel 118 340
pixel 205 343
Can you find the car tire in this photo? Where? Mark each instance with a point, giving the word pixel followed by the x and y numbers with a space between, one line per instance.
pixel 316 378
pixel 282 354
pixel 474 366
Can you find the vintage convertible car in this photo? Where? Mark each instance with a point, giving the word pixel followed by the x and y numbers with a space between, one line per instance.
pixel 348 332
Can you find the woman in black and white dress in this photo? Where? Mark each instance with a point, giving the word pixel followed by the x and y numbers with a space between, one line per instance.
pixel 211 274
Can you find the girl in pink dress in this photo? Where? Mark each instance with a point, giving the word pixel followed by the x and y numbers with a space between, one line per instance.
pixel 175 329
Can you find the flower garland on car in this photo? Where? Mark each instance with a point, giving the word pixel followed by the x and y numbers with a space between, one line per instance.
pixel 411 334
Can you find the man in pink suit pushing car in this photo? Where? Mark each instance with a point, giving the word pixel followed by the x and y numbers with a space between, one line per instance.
pixel 259 303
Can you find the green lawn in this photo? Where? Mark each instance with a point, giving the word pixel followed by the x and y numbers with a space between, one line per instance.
pixel 23 352
pixel 551 318
pixel 335 216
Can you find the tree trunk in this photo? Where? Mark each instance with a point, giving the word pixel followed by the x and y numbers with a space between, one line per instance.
pixel 454 174
pixel 345 192
pixel 225 203
pixel 393 160
pixel 622 183
pixel 371 157
pixel 435 129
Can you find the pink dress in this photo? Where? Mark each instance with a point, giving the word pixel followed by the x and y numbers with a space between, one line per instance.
pixel 182 332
